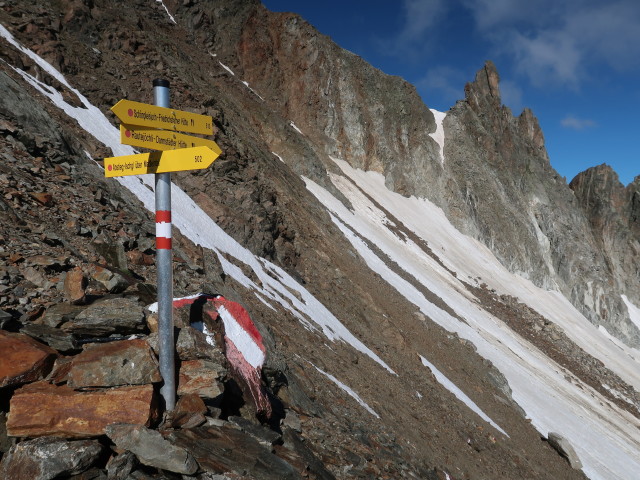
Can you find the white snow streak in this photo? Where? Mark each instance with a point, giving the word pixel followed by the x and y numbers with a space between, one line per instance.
pixel 293 125
pixel 438 135
pixel 349 391
pixel 167 10
pixel 634 312
pixel 226 68
pixel 449 385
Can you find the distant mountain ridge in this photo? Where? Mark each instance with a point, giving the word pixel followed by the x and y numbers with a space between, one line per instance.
pixel 495 184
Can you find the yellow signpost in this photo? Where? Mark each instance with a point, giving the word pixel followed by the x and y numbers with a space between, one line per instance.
pixel 162 139
pixel 145 115
pixel 195 158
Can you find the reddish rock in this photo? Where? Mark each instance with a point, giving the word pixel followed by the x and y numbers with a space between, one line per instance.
pixel 74 285
pixel 126 362
pixel 43 409
pixel 189 412
pixel 200 377
pixel 43 198
pixel 136 257
pixel 191 403
pixel 23 359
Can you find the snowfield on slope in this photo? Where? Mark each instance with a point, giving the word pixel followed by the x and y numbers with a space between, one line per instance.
pixel 604 436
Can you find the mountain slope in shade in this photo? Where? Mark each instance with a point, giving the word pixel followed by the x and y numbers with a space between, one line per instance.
pixel 361 242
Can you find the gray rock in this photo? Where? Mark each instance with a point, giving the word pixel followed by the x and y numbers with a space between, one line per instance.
pixel 54 337
pixel 565 449
pixel 5 442
pixel 192 344
pixel 125 362
pixel 114 315
pixel 151 448
pixel 60 313
pixel 120 466
pixel 229 450
pixel 263 435
pixel 49 457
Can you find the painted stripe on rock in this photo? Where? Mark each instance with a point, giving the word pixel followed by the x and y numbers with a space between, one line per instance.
pixel 241 316
pixel 246 345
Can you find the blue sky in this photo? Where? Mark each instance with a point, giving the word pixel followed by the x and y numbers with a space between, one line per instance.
pixel 574 63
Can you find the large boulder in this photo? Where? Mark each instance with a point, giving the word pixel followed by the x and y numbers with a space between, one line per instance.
pixel 151 448
pixel 49 457
pixel 41 409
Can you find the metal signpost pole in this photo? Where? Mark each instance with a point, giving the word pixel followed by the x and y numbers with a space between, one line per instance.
pixel 164 267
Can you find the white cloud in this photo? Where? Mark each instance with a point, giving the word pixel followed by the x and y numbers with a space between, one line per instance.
pixel 548 57
pixel 419 18
pixel 561 42
pixel 576 123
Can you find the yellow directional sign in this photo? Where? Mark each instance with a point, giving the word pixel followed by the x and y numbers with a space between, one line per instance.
pixel 145 115
pixel 196 158
pixel 162 139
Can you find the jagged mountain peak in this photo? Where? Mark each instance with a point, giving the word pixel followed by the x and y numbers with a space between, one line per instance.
pixel 485 88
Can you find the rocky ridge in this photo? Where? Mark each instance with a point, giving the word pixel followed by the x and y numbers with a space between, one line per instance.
pixel 78 270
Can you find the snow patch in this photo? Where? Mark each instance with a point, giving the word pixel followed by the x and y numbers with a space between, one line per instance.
pixel 449 385
pixel 167 10
pixel 226 68
pixel 353 394
pixel 293 125
pixel 438 135
pixel 603 435
pixel 634 312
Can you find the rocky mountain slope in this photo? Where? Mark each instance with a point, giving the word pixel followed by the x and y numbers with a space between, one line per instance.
pixel 369 315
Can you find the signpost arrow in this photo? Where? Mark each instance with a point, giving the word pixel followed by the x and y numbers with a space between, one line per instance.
pixel 196 158
pixel 162 139
pixel 145 115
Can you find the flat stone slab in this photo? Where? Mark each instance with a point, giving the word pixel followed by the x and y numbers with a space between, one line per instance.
pixel 151 448
pixel 49 457
pixel 226 449
pixel 124 362
pixel 41 409
pixel 200 377
pixel 114 315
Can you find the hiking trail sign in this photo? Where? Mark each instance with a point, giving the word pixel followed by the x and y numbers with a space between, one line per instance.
pixel 162 139
pixel 145 115
pixel 195 158
pixel 157 128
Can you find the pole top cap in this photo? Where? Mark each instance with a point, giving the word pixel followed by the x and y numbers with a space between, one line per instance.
pixel 161 82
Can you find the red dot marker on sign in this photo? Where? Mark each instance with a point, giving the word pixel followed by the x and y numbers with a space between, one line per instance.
pixel 110 167
pixel 127 133
pixel 130 112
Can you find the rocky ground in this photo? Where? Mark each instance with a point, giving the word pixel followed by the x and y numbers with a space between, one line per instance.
pixel 77 272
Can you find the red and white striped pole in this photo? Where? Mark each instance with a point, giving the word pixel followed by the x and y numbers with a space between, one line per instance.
pixel 163 229
pixel 164 268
